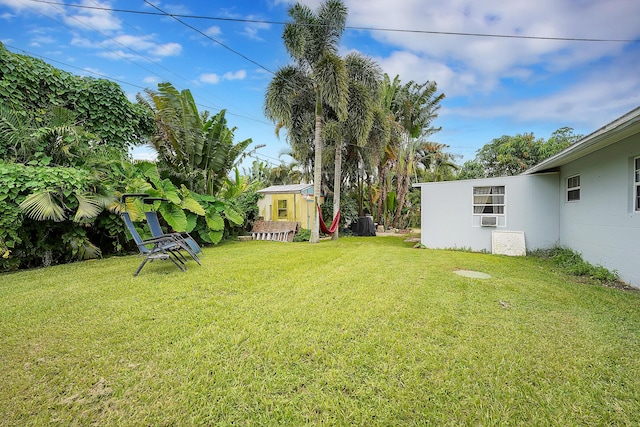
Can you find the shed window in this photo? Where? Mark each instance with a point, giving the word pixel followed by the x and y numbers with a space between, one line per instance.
pixel 573 188
pixel 282 209
pixel 488 200
pixel 636 192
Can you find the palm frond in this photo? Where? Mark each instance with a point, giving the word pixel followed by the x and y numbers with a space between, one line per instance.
pixel 331 78
pixel 89 206
pixel 42 206
pixel 84 249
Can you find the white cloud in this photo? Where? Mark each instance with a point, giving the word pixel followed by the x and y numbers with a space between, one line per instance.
pixel 94 19
pixel 213 78
pixel 412 66
pixel 167 49
pixel 602 95
pixel 117 55
pixel 40 40
pixel 94 71
pixel 490 59
pixel 79 41
pixel 144 152
pixel 132 42
pixel 252 29
pixel 213 31
pixel 515 81
pixel 238 75
pixel 151 79
pixel 20 6
pixel 140 44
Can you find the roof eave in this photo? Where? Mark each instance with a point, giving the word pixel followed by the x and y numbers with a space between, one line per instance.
pixel 622 127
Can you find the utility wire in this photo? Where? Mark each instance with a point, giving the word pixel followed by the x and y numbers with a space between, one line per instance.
pixel 184 79
pixel 397 30
pixel 100 75
pixel 138 54
pixel 103 76
pixel 210 38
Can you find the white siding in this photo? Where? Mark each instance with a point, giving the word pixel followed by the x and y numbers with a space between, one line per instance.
pixel 264 207
pixel 603 226
pixel 531 205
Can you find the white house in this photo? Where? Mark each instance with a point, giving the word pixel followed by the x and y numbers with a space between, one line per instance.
pixel 586 197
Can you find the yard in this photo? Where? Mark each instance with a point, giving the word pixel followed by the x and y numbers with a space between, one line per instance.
pixel 362 331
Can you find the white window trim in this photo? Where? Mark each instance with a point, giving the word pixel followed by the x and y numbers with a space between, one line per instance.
pixel 503 204
pixel 636 184
pixel 569 189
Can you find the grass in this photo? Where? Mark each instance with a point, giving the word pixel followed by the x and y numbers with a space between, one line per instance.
pixel 362 331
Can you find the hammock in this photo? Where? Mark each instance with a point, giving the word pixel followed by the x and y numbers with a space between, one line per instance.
pixel 334 223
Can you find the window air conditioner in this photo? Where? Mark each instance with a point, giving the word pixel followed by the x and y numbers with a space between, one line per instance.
pixel 489 221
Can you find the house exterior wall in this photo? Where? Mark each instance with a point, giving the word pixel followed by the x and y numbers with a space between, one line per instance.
pixel 299 209
pixel 264 207
pixel 603 225
pixel 448 220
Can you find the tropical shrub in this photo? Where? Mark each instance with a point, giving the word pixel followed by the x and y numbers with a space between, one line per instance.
pixel 30 87
pixel 181 209
pixel 45 213
pixel 194 149
pixel 302 235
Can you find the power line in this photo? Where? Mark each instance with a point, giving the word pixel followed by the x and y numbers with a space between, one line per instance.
pixel 210 38
pixel 103 76
pixel 138 54
pixel 397 30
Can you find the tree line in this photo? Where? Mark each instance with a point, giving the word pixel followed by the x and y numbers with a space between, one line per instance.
pixel 362 137
pixel 377 130
pixel 65 163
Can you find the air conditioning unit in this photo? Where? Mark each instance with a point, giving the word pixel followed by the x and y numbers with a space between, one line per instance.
pixel 489 221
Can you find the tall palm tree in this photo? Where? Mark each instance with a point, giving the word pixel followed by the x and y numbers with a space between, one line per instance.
pixel 318 77
pixel 415 108
pixel 364 82
pixel 389 144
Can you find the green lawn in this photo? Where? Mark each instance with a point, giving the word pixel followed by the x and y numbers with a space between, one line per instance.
pixel 363 331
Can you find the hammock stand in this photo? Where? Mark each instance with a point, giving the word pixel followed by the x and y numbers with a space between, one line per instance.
pixel 334 223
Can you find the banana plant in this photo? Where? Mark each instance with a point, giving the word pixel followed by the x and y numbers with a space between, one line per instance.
pixel 181 208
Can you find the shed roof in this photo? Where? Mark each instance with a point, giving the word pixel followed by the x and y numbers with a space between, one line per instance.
pixel 622 127
pixel 292 188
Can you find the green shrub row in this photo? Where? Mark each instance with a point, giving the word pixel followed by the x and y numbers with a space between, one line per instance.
pixel 572 262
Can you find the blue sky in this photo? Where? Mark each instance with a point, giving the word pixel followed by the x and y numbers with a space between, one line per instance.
pixel 493 86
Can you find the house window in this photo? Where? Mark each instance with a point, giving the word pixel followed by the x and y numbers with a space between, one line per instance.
pixel 282 209
pixel 573 188
pixel 636 163
pixel 488 200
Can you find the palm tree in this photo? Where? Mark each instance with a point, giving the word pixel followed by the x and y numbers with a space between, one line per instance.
pixel 438 165
pixel 318 78
pixel 415 107
pixel 364 82
pixel 55 136
pixel 389 143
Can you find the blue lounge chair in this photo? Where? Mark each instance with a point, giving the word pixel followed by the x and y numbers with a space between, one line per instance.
pixel 156 231
pixel 166 246
pixel 155 248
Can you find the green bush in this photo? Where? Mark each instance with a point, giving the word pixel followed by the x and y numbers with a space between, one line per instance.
pixel 571 262
pixel 26 242
pixel 303 235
